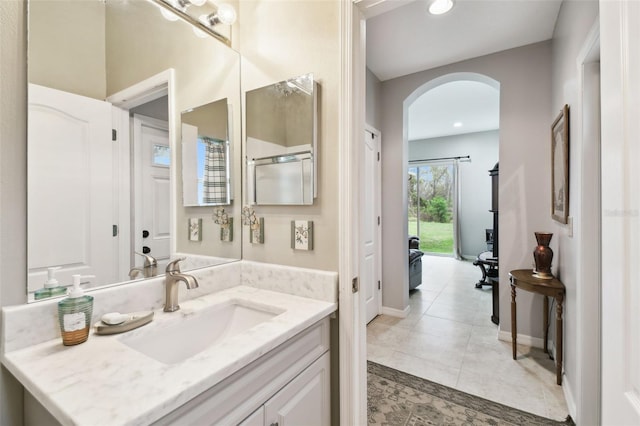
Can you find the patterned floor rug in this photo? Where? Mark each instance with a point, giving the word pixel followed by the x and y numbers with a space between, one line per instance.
pixel 395 398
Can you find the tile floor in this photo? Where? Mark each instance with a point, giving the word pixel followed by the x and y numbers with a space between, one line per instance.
pixel 448 338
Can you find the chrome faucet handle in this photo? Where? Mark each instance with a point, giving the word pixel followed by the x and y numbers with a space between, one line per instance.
pixel 148 259
pixel 174 265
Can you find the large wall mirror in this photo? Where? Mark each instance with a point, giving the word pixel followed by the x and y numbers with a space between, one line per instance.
pixel 281 148
pixel 108 80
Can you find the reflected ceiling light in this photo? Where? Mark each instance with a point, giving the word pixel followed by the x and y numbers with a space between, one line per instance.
pixel 438 7
pixel 225 14
pixel 457 124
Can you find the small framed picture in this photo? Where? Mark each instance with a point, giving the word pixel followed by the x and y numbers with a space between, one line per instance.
pixel 302 235
pixel 560 167
pixel 195 229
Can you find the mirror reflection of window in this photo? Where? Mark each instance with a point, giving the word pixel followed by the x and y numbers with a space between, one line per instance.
pixel 161 155
pixel 206 173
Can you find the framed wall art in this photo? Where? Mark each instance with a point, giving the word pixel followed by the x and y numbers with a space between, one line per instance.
pixel 195 229
pixel 560 167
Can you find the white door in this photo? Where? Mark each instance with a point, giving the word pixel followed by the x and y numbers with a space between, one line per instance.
pixel 70 187
pixel 152 189
pixel 620 91
pixel 370 264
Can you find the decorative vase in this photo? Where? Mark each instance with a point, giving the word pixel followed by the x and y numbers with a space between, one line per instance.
pixel 543 255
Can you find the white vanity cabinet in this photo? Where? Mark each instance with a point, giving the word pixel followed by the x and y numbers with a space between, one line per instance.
pixel 304 401
pixel 287 386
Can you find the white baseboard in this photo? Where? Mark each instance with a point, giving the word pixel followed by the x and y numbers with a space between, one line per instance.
pixel 569 398
pixel 395 312
pixel 522 339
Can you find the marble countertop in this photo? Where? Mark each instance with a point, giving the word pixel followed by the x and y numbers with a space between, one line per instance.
pixel 104 381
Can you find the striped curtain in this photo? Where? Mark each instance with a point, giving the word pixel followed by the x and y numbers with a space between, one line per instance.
pixel 215 172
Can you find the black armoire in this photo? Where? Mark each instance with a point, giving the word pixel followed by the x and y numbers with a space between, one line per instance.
pixel 495 290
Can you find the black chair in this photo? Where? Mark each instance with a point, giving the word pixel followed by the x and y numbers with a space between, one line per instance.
pixel 415 262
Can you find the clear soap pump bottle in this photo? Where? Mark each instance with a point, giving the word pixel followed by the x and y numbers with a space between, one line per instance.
pixel 51 287
pixel 74 314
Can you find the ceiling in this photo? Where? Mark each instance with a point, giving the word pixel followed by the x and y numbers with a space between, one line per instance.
pixel 403 38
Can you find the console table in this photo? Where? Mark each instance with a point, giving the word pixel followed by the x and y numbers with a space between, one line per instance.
pixel 525 280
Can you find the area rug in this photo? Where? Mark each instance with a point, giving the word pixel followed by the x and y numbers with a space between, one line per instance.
pixel 397 398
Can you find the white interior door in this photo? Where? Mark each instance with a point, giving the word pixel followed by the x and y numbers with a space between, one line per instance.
pixel 620 83
pixel 70 187
pixel 152 167
pixel 370 264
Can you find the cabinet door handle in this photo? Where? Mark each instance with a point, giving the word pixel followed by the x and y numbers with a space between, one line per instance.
pixel 274 424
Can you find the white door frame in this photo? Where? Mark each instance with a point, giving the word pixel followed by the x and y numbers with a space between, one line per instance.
pixel 620 88
pixel 154 87
pixel 584 400
pixel 351 318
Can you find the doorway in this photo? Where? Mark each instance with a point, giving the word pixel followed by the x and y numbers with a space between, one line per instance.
pixel 144 112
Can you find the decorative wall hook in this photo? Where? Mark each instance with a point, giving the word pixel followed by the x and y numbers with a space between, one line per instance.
pixel 221 218
pixel 256 225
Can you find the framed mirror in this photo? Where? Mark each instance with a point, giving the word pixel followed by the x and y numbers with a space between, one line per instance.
pixel 206 168
pixel 107 82
pixel 281 147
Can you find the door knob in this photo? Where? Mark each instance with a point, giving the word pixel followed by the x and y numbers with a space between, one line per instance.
pixel 146 250
pixel 145 233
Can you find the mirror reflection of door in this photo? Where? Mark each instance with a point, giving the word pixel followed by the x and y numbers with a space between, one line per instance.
pixel 70 188
pixel 151 193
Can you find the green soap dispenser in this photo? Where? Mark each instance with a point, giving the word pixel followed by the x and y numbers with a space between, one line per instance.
pixel 52 287
pixel 74 314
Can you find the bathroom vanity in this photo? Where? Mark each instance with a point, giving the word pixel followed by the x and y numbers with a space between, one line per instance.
pixel 244 348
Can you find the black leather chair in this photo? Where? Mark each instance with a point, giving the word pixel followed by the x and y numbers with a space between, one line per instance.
pixel 415 262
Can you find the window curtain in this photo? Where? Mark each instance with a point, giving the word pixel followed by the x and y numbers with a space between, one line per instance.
pixel 215 172
pixel 457 239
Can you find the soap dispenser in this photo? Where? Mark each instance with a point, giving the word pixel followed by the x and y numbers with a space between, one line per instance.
pixel 74 314
pixel 51 287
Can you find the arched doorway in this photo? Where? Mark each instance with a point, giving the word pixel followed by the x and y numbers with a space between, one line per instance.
pixel 452 137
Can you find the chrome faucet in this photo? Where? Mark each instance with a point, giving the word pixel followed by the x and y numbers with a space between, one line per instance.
pixel 148 270
pixel 172 277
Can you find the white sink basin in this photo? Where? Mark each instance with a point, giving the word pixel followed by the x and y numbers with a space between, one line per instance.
pixel 187 335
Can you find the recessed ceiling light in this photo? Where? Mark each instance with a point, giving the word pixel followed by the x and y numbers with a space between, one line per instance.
pixel 438 7
pixel 457 124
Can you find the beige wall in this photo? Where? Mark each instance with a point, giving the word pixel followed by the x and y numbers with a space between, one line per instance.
pixel 210 119
pixel 575 20
pixel 524 75
pixel 205 71
pixel 13 182
pixel 374 103
pixel 67 46
pixel 279 40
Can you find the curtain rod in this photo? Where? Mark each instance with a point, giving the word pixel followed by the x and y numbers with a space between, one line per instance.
pixel 467 157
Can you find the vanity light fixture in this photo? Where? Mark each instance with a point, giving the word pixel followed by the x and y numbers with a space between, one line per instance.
pixel 439 7
pixel 188 10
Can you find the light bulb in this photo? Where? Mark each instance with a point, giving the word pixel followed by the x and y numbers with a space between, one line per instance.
pixel 438 7
pixel 226 14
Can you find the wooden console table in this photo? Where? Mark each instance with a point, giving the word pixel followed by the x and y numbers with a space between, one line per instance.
pixel 525 280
